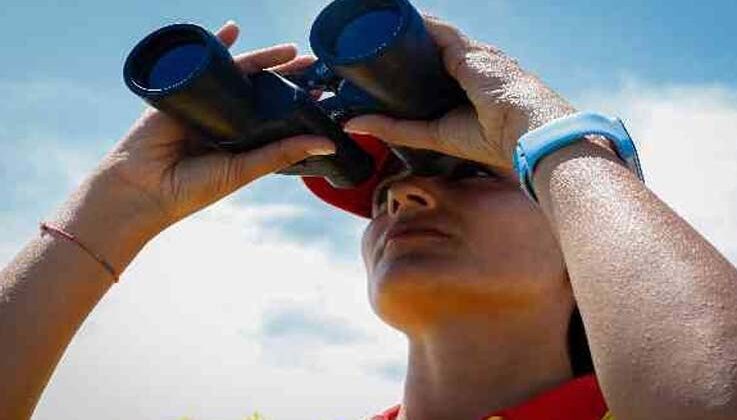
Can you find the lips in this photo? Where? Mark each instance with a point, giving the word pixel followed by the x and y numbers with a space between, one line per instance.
pixel 408 230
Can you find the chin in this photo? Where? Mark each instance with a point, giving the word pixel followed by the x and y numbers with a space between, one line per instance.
pixel 417 289
pixel 424 268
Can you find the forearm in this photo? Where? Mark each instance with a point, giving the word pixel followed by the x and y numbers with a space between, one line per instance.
pixel 48 290
pixel 659 302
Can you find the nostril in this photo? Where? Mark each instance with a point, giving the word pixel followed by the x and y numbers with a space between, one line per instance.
pixel 394 206
pixel 396 203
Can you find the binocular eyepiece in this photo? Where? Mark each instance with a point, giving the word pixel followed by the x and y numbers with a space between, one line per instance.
pixel 375 56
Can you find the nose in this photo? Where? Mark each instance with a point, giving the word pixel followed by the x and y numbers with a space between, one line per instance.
pixel 409 196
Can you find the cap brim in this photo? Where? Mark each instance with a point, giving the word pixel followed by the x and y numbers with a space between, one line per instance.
pixel 355 200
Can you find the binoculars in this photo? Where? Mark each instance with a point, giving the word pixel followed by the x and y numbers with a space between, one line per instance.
pixel 374 56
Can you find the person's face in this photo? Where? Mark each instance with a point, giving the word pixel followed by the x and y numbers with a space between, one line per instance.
pixel 459 245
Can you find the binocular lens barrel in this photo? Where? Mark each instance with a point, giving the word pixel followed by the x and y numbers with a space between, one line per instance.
pixel 383 48
pixel 363 34
pixel 176 65
pixel 167 58
pixel 188 73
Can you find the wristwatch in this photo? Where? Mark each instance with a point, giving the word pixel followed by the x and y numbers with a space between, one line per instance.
pixel 557 134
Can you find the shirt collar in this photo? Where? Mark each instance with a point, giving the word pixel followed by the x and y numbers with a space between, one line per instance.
pixel 577 399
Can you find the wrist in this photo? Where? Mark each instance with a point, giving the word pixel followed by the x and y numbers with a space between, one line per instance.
pixel 110 218
pixel 584 129
pixel 592 147
pixel 604 143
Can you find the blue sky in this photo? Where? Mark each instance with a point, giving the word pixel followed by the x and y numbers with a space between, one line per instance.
pixel 674 41
pixel 668 67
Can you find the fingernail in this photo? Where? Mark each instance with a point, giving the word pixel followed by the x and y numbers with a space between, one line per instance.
pixel 230 22
pixel 322 151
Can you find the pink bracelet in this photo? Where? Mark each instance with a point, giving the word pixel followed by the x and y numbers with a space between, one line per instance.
pixel 55 231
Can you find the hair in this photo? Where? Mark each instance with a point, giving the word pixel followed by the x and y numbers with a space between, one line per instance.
pixel 578 346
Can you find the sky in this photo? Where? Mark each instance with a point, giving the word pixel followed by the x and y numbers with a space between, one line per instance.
pixel 258 303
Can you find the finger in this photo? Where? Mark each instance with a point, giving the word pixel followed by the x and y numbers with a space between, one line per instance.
pixel 478 67
pixel 297 65
pixel 411 133
pixel 457 50
pixel 445 34
pixel 228 33
pixel 279 155
pixel 462 58
pixel 265 58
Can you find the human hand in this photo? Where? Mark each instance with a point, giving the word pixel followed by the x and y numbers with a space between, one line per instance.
pixel 165 174
pixel 160 172
pixel 506 102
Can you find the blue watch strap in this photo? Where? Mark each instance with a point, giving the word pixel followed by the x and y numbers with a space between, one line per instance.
pixel 544 140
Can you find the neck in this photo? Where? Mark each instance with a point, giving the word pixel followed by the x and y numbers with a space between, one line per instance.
pixel 471 369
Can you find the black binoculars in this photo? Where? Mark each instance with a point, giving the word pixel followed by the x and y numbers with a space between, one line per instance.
pixel 374 56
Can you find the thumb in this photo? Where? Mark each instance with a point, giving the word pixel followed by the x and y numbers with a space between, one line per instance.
pixel 279 155
pixel 228 33
pixel 410 133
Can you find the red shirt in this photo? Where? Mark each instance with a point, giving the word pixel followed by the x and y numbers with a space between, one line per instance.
pixel 578 399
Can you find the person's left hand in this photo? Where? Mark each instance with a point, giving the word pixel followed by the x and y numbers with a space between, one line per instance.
pixel 505 103
pixel 167 165
pixel 160 172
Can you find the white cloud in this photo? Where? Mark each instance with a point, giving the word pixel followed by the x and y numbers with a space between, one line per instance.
pixel 49 143
pixel 293 321
pixel 184 331
pixel 687 138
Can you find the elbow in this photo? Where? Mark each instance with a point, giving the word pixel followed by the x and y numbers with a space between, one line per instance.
pixel 684 408
pixel 711 394
pixel 719 401
pixel 712 389
pixel 684 394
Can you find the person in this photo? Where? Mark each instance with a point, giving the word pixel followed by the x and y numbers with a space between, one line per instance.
pixel 485 283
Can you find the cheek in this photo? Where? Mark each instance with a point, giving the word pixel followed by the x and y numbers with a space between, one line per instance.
pixel 365 255
pixel 514 243
pixel 368 243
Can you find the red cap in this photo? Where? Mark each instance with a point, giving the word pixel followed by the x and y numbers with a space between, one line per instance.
pixel 355 200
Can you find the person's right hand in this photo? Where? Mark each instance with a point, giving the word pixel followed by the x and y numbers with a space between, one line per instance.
pixel 154 162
